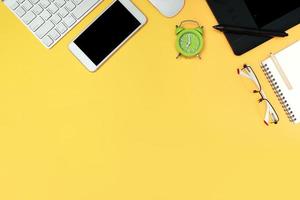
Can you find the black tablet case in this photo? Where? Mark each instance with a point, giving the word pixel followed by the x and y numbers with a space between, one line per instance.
pixel 235 12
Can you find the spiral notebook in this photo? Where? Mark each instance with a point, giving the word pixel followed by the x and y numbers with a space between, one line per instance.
pixel 283 72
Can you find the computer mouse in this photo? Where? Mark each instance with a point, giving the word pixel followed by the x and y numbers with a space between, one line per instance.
pixel 168 8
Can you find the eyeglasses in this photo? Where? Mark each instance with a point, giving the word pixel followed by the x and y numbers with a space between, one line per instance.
pixel 271 115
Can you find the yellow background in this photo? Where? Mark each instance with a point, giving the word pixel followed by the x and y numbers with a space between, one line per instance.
pixel 145 126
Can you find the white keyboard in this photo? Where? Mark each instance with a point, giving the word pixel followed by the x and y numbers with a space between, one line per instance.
pixel 50 20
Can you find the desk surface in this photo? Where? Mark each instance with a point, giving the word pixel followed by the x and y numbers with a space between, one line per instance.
pixel 145 126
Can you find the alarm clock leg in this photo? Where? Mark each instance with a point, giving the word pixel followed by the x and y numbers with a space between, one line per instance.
pixel 178 55
pixel 199 56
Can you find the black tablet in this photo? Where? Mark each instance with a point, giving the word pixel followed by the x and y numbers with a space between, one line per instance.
pixel 262 14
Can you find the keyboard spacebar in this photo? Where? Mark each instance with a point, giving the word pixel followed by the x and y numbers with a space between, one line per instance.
pixel 84 7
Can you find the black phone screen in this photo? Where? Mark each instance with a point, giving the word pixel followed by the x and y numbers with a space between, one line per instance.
pixel 107 32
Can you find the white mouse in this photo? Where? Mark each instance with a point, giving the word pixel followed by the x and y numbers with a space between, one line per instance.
pixel 168 8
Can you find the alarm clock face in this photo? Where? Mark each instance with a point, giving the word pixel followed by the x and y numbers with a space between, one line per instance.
pixel 190 43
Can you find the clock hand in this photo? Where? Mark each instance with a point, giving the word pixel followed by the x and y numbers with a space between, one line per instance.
pixel 189 41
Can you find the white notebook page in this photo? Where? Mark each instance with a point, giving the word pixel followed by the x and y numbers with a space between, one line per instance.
pixel 287 66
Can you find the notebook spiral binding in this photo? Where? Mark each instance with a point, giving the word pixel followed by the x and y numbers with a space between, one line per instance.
pixel 278 93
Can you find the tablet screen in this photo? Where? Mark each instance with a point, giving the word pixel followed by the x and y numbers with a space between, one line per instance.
pixel 266 11
pixel 107 32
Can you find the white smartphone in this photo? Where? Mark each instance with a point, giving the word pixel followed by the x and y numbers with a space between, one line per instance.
pixel 107 33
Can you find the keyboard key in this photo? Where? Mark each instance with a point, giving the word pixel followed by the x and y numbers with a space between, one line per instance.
pixel 70 6
pixel 54 34
pixel 61 28
pixel 20 11
pixel 45 15
pixel 60 3
pixel 63 12
pixel 47 41
pixel 44 3
pixel 34 1
pixel 77 2
pixel 82 8
pixel 14 5
pixel 44 29
pixel 37 9
pixel 27 5
pixel 69 20
pixel 20 1
pixel 28 17
pixel 53 8
pixel 36 23
pixel 55 19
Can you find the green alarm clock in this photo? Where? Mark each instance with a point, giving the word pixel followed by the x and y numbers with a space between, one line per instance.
pixel 189 42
